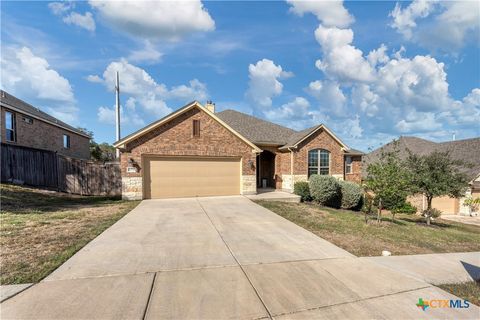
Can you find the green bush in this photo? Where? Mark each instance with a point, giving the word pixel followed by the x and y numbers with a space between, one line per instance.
pixel 352 195
pixel 406 208
pixel 325 190
pixel 303 190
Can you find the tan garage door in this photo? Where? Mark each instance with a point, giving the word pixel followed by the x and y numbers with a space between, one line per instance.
pixel 446 204
pixel 176 177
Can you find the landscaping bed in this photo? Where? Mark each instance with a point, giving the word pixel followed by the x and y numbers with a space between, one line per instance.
pixel 407 235
pixel 41 229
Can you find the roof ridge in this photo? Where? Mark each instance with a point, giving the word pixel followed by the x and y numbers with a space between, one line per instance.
pixel 259 119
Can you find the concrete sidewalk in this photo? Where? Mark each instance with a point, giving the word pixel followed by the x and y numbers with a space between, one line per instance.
pixel 217 258
pixel 439 268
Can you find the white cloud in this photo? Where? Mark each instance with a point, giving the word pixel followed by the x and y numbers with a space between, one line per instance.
pixel 94 78
pixel 330 96
pixel 31 77
pixel 128 116
pixel 155 19
pixel 341 61
pixel 329 13
pixel 264 82
pixel 294 110
pixel 59 8
pixel 450 26
pixel 147 54
pixel 142 90
pixel 83 21
pixel 378 56
pixel 404 20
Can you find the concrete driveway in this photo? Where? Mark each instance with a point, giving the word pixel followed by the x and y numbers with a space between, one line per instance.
pixel 217 258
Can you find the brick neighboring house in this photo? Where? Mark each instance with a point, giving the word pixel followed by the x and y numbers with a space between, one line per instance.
pixel 197 152
pixel 24 125
pixel 467 150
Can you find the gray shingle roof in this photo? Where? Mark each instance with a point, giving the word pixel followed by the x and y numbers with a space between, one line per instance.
pixel 467 150
pixel 21 105
pixel 256 130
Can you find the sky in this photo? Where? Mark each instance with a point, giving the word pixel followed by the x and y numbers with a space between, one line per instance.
pixel 370 71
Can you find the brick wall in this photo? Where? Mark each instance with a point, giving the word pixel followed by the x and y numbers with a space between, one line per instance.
pixel 175 138
pixel 43 135
pixel 319 140
pixel 356 175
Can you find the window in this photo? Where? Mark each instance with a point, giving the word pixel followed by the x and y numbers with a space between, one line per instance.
pixel 27 120
pixel 10 127
pixel 196 128
pixel 66 141
pixel 348 165
pixel 318 162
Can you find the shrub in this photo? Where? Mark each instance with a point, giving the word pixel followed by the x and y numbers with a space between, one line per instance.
pixel 406 208
pixel 303 190
pixel 434 213
pixel 325 190
pixel 352 195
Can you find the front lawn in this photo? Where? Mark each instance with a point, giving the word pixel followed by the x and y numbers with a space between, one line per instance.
pixel 408 235
pixel 467 291
pixel 41 229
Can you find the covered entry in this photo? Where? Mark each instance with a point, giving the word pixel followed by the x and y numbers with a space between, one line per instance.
pixel 175 177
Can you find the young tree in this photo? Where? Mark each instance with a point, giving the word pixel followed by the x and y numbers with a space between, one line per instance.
pixel 388 180
pixel 436 175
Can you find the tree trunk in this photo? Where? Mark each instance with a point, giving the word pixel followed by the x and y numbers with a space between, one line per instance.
pixel 429 207
pixel 379 213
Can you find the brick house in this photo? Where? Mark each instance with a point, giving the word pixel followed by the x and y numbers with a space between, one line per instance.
pixel 467 150
pixel 24 125
pixel 197 152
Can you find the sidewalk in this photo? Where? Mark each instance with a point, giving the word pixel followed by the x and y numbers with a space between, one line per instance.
pixel 439 268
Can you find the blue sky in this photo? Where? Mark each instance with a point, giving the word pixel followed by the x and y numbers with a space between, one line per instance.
pixel 370 71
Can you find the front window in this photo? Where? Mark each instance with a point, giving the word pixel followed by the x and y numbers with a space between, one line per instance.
pixel 10 126
pixel 348 165
pixel 66 141
pixel 318 162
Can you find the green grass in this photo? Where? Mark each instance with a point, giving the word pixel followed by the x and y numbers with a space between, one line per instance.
pixel 40 229
pixel 407 235
pixel 467 290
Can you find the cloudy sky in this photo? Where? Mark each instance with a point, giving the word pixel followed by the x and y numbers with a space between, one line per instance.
pixel 370 71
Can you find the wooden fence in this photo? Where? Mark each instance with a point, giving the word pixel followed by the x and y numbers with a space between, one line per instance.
pixel 47 169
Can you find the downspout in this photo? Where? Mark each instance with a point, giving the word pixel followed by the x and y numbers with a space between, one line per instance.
pixel 291 167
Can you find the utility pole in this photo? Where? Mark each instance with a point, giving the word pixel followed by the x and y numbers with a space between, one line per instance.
pixel 117 113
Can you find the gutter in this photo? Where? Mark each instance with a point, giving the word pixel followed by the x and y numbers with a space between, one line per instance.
pixel 8 106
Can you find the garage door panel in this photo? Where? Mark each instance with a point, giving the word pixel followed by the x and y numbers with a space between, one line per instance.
pixel 189 177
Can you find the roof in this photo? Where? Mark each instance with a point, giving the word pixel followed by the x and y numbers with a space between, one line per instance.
pixel 256 130
pixel 14 103
pixel 467 150
pixel 262 132
pixel 194 104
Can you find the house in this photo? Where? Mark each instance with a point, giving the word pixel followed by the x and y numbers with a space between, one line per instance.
pixel 25 125
pixel 467 151
pixel 197 152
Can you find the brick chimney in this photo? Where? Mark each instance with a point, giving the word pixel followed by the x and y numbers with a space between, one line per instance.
pixel 210 106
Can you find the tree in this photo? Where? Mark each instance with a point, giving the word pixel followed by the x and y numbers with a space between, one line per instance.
pixel 388 180
pixel 99 152
pixel 436 175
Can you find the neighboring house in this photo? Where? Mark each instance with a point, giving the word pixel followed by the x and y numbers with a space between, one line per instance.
pixel 24 125
pixel 467 151
pixel 197 152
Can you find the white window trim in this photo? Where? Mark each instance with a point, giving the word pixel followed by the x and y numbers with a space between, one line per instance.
pixel 349 165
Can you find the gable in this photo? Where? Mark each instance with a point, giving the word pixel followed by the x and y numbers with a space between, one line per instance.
pixel 321 138
pixel 175 122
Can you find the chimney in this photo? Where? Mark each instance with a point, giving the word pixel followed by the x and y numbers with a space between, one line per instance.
pixel 210 106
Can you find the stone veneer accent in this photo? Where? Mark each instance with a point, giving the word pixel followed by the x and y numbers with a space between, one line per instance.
pixel 287 181
pixel 132 188
pixel 249 184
